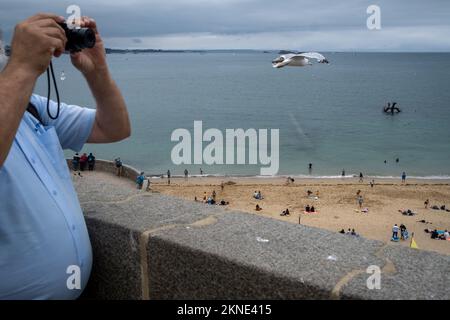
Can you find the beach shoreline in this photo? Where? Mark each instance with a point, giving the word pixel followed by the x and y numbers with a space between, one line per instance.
pixel 337 203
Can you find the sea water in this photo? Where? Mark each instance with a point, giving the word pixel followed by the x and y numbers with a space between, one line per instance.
pixel 329 115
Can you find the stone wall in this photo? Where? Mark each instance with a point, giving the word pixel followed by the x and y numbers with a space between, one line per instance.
pixel 152 246
pixel 109 166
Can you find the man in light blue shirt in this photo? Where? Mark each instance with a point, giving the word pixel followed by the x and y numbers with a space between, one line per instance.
pixel 45 252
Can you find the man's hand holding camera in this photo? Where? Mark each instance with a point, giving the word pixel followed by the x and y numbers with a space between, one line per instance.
pixel 36 41
pixel 90 61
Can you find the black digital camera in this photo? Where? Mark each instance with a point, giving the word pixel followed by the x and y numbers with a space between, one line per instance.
pixel 78 38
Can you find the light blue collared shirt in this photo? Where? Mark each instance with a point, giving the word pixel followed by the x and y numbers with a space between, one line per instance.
pixel 42 229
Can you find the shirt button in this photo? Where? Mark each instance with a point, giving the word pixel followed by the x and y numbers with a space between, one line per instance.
pixel 33 161
pixel 54 192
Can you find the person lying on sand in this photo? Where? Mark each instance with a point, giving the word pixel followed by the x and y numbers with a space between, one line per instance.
pixel 289 180
pixel 310 209
pixel 258 208
pixel 438 234
pixel 285 213
pixel 435 234
pixel 407 212
pixel 349 232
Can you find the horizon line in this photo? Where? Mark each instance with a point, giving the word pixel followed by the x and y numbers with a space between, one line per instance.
pixel 276 50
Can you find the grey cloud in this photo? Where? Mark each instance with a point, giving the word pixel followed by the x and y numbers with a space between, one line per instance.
pixel 139 19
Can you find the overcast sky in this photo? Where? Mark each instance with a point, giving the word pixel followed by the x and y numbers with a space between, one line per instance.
pixel 322 25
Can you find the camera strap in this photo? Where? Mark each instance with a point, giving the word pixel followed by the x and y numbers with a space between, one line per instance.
pixel 50 70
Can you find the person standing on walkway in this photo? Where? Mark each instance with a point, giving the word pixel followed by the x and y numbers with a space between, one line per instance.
pixel 119 166
pixel 91 162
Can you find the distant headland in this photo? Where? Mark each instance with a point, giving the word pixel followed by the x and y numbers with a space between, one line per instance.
pixel 136 51
pixel 139 51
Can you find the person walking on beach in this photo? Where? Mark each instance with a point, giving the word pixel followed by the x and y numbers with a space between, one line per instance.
pixel 426 203
pixel 201 171
pixel 361 177
pixel 372 183
pixel 148 185
pixel 186 174
pixel 343 173
pixel 168 176
pixel 403 177
pixel 360 201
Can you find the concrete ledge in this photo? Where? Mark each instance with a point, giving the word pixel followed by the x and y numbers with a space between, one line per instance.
pixel 151 246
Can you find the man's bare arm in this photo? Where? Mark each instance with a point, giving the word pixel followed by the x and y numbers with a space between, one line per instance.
pixel 35 42
pixel 16 86
pixel 111 120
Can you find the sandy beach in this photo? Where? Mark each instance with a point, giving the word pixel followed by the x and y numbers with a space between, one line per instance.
pixel 337 203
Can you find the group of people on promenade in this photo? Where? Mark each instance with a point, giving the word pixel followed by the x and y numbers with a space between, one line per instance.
pixel 79 163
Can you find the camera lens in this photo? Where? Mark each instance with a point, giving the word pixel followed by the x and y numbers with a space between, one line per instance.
pixel 79 38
